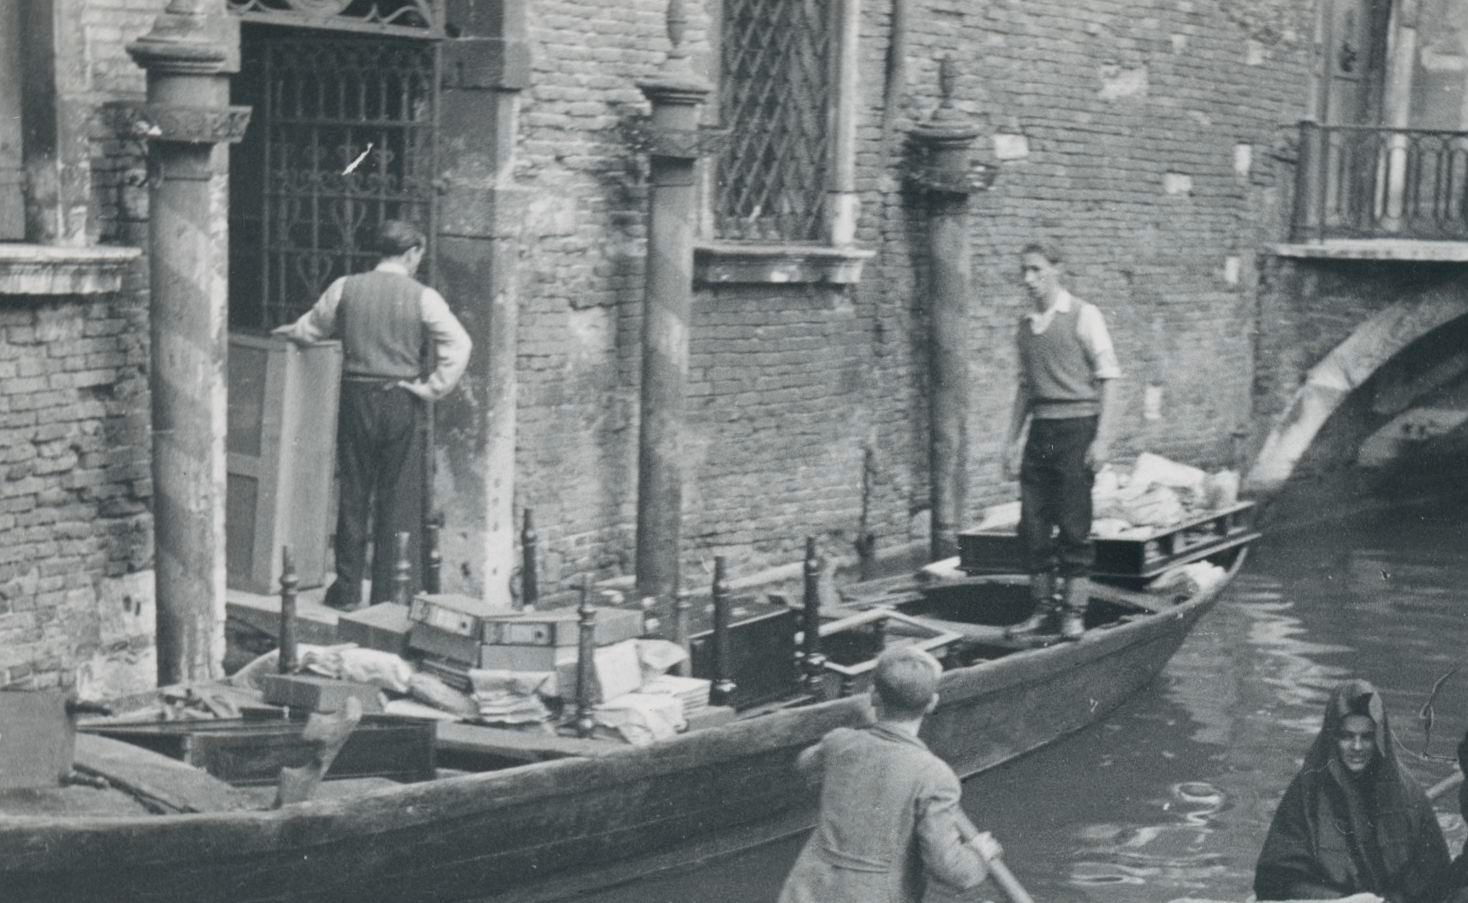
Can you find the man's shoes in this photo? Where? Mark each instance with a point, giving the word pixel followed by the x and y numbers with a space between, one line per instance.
pixel 1042 592
pixel 340 596
pixel 1073 615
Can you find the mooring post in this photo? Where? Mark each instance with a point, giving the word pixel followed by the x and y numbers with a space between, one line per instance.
pixel 675 94
pixel 946 179
pixel 585 661
pixel 189 124
pixel 402 570
pixel 682 603
pixel 812 662
pixel 433 556
pixel 722 691
pixel 286 653
pixel 529 577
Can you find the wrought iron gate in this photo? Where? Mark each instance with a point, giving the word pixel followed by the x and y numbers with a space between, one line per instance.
pixel 343 136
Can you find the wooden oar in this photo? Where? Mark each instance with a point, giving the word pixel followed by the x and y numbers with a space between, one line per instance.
pixel 997 869
pixel 1441 787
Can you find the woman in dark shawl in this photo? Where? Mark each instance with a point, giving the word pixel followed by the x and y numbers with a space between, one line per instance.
pixel 1353 820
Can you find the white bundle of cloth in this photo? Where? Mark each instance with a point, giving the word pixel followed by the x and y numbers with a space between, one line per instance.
pixel 640 718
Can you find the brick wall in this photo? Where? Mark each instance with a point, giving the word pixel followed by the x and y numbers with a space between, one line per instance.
pixel 1142 133
pixel 76 539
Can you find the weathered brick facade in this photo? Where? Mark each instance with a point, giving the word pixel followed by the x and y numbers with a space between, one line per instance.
pixel 76 594
pixel 1144 135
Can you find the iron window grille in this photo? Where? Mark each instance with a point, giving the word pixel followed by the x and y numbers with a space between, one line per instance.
pixel 408 17
pixel 775 94
pixel 343 137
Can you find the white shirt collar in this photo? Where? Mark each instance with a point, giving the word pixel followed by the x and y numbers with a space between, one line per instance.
pixel 1039 321
pixel 391 266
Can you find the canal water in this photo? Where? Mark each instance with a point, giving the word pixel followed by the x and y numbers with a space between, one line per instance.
pixel 1169 798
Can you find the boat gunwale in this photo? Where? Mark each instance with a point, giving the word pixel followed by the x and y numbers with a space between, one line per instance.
pixel 320 823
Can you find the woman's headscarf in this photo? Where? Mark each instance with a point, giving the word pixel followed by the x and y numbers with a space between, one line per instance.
pixel 1344 833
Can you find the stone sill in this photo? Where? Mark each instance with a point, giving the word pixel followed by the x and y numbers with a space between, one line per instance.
pixel 751 264
pixel 1403 249
pixel 56 270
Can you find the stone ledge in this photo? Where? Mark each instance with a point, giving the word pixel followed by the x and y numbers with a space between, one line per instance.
pixel 750 264
pixel 55 270
pixel 1376 249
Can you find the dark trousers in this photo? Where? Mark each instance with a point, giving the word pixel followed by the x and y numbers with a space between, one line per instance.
pixel 379 452
pixel 1055 497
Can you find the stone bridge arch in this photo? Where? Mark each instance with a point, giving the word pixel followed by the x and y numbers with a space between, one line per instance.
pixel 1344 369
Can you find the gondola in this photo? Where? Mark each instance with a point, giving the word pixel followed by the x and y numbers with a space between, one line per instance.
pixel 552 817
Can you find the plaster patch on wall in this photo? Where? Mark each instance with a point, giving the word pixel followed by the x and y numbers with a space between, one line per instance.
pixel 552 214
pixel 1117 82
pixel 1179 43
pixel 126 608
pixel 1254 54
pixel 1009 146
pixel 1177 183
pixel 590 327
pixel 117 673
pixel 1233 268
pixel 1243 159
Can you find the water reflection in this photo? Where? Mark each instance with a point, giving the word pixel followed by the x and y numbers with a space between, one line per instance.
pixel 1171 797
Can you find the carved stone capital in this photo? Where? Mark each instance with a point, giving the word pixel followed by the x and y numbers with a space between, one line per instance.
pixel 679 144
pixel 187 124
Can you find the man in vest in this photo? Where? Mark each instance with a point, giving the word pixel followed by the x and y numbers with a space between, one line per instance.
pixel 383 318
pixel 1067 371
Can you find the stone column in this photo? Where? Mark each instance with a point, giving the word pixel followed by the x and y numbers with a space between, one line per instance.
pixel 946 178
pixel 675 95
pixel 190 123
pixel 481 227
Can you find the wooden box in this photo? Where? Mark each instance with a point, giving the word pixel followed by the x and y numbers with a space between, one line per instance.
pixel 451 614
pixel 1135 558
pixel 761 647
pixel 250 752
pixel 383 626
pixel 281 450
pixel 313 693
pixel 37 738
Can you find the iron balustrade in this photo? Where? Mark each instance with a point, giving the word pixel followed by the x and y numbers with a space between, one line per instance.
pixel 1372 182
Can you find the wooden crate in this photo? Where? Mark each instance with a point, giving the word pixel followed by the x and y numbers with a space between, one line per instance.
pixel 761 649
pixel 1135 558
pixel 248 752
pixel 281 459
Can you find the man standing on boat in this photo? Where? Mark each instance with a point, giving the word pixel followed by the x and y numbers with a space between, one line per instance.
pixel 383 318
pixel 890 816
pixel 1066 395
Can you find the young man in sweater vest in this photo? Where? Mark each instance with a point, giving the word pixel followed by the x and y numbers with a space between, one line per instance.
pixel 1067 371
pixel 382 318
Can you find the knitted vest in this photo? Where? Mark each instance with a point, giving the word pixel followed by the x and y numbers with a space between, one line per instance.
pixel 381 327
pixel 1059 372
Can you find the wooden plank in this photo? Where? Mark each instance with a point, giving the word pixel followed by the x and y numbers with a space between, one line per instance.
pixel 156 780
pixel 478 739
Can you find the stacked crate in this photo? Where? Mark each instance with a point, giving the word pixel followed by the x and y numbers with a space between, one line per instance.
pixel 453 634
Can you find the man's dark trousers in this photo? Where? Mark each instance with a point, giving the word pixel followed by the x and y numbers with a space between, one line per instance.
pixel 1055 497
pixel 380 465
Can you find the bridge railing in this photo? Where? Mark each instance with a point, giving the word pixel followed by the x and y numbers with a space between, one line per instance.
pixel 1368 182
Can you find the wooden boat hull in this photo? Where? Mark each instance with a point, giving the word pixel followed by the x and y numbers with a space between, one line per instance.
pixel 540 831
